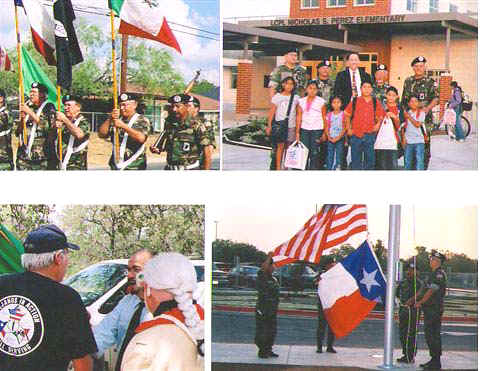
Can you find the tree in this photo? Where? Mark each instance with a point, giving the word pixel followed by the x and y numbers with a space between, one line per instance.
pixel 22 219
pixel 202 87
pixel 116 231
pixel 226 250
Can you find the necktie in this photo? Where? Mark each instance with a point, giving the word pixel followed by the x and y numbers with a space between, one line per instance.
pixel 134 322
pixel 354 84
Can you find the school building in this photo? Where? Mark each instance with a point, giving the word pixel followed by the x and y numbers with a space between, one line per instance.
pixel 392 32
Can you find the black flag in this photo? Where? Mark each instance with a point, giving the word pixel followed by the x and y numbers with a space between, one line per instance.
pixel 66 43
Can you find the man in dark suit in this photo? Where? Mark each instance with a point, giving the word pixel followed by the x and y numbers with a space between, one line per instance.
pixel 347 86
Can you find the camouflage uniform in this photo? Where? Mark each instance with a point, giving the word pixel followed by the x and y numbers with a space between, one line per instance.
pixel 185 142
pixel 325 89
pixel 78 160
pixel 6 155
pixel 211 136
pixel 282 71
pixel 42 150
pixel 381 93
pixel 408 316
pixel 141 124
pixel 268 292
pixel 425 90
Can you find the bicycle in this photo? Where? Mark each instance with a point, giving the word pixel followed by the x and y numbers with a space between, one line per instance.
pixel 464 122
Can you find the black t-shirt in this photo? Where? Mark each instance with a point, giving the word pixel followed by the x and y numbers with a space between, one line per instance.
pixel 43 324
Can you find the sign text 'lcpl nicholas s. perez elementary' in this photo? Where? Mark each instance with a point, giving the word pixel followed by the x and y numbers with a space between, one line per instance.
pixel 338 20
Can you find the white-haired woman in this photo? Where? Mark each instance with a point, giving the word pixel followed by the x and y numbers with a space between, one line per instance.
pixel 172 340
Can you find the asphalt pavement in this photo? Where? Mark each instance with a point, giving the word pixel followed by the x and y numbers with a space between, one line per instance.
pixel 233 348
pixel 446 155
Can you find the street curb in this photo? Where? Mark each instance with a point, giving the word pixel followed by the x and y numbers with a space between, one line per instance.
pixel 314 313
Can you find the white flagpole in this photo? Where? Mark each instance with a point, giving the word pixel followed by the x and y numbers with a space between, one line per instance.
pixel 393 248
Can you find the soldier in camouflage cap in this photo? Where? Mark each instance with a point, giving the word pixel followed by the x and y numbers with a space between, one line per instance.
pixel 6 155
pixel 380 86
pixel 193 110
pixel 75 135
pixel 425 89
pixel 133 129
pixel 408 291
pixel 187 138
pixel 291 67
pixel 36 150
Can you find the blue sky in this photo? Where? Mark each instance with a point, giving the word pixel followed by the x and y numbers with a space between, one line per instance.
pixel 198 53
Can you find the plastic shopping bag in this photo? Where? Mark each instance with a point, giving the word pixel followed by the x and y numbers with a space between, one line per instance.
pixel 296 156
pixel 449 120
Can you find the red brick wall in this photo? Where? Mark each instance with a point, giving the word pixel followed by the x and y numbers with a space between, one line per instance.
pixel 244 87
pixel 445 92
pixel 381 7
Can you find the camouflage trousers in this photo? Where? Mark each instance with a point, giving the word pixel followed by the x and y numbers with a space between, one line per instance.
pixel 6 166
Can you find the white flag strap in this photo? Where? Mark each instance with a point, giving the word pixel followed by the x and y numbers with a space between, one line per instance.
pixel 121 165
pixel 33 132
pixel 70 148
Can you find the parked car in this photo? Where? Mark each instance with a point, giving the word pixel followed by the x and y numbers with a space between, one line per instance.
pixel 296 276
pixel 102 285
pixel 219 276
pixel 245 274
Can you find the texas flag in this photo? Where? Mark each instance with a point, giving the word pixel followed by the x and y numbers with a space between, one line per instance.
pixel 43 28
pixel 351 289
pixel 145 18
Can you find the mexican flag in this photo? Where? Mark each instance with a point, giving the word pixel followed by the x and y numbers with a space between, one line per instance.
pixel 144 18
pixel 32 72
pixel 11 249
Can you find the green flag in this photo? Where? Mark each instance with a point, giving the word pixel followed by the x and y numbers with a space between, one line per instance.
pixel 11 250
pixel 32 72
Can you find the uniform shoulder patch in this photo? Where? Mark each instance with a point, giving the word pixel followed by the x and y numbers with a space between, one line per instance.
pixel 21 326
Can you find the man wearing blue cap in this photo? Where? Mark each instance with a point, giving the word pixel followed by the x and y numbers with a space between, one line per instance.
pixel 6 155
pixel 43 324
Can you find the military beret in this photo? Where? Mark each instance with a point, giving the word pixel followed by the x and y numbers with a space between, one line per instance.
pixel 2 93
pixel 127 96
pixel 179 98
pixel 41 88
pixel 381 67
pixel 418 59
pixel 195 101
pixel 293 49
pixel 69 97
pixel 438 255
pixel 325 63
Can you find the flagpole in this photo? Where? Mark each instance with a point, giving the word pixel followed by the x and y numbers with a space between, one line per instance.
pixel 20 76
pixel 393 247
pixel 115 95
pixel 59 130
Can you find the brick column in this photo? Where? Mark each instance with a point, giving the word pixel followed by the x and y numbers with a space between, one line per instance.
pixel 244 86
pixel 445 91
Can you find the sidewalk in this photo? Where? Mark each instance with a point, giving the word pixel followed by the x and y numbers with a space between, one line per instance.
pixel 346 358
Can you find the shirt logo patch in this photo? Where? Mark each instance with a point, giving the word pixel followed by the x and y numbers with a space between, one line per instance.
pixel 21 326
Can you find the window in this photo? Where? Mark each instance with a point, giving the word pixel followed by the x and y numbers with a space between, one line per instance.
pixel 364 2
pixel 433 6
pixel 412 5
pixel 453 8
pixel 310 3
pixel 234 78
pixel 334 3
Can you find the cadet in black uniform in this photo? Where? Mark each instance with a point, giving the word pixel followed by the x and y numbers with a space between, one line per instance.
pixel 266 309
pixel 322 321
pixel 408 291
pixel 43 324
pixel 432 306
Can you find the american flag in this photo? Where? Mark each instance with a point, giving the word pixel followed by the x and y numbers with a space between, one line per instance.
pixel 329 228
pixel 15 313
